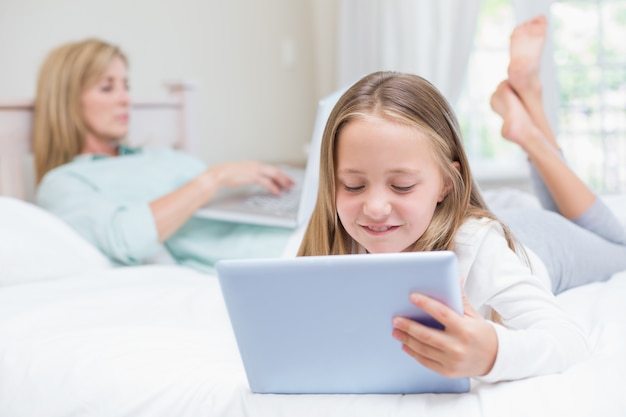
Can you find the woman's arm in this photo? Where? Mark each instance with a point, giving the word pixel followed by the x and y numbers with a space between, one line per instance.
pixel 124 232
pixel 126 206
pixel 174 209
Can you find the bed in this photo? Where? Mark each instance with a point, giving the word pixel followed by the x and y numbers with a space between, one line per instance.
pixel 81 337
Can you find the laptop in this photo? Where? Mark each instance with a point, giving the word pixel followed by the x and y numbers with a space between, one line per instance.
pixel 323 324
pixel 255 205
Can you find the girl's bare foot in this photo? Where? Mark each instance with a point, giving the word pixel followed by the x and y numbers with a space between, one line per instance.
pixel 517 125
pixel 571 195
pixel 527 41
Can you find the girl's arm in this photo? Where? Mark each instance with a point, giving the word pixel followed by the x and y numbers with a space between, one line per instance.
pixel 535 337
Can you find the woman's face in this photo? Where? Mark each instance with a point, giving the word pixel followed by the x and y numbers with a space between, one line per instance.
pixel 388 184
pixel 105 104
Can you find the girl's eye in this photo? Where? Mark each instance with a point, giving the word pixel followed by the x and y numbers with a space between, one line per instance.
pixel 353 189
pixel 107 88
pixel 403 189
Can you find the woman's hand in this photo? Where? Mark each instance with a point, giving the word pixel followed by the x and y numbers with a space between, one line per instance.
pixel 467 346
pixel 174 209
pixel 235 174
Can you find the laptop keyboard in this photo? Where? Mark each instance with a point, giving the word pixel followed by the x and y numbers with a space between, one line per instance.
pixel 286 202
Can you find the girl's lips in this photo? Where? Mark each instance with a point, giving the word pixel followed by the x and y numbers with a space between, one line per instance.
pixel 382 229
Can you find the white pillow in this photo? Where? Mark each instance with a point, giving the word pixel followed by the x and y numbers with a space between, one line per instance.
pixel 35 245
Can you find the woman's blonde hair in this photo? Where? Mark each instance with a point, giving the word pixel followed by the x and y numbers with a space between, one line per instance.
pixel 410 100
pixel 58 126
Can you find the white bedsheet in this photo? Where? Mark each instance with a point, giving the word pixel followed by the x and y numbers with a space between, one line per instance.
pixel 155 340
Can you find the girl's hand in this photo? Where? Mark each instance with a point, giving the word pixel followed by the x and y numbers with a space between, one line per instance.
pixel 235 174
pixel 467 346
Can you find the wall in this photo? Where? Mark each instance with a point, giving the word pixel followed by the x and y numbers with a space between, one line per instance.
pixel 254 61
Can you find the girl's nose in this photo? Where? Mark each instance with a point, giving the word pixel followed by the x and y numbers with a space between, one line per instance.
pixel 376 206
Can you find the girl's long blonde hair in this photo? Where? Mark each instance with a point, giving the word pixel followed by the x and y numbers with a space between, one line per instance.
pixel 58 126
pixel 413 101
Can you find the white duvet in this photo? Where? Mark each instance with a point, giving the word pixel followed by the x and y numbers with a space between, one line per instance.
pixel 156 341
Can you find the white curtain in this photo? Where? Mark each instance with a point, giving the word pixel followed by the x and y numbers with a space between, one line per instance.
pixel 426 37
pixel 525 10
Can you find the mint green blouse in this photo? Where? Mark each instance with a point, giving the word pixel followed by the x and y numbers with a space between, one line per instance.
pixel 106 199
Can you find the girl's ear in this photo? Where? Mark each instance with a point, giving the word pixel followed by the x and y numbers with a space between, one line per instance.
pixel 448 185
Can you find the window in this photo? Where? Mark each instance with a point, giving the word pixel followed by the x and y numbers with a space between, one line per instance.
pixel 590 58
pixel 590 65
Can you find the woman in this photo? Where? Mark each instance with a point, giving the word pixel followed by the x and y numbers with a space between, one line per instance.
pixel 128 201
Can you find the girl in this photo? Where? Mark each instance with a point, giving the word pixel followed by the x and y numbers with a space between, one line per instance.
pixel 394 177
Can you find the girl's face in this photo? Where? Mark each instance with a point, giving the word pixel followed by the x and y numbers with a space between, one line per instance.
pixel 388 184
pixel 105 104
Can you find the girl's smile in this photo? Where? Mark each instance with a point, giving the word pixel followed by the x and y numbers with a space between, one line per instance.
pixel 379 230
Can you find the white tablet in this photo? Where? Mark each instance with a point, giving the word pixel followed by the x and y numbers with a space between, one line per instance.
pixel 323 324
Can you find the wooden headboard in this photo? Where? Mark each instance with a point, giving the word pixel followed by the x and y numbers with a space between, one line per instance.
pixel 169 122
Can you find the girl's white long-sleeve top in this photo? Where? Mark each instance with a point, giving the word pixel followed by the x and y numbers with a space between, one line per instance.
pixel 535 336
